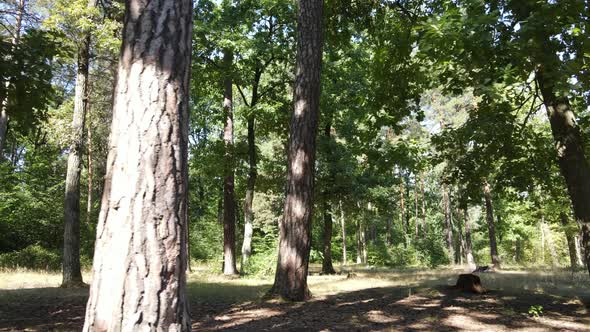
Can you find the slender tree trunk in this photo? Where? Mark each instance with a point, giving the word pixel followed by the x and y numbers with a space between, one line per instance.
pixel 402 210
pixel 572 160
pixel 4 118
pixel 229 201
pixel 468 245
pixel 424 228
pixel 448 225
pixel 72 275
pixel 491 227
pixel 327 267
pixel 295 227
pixel 90 173
pixel 364 244
pixel 140 259
pixel 388 231
pixel 248 214
pixel 460 253
pixel 579 253
pixel 343 228
pixel 549 240
pixel 416 217
pixel 359 243
pixel 571 245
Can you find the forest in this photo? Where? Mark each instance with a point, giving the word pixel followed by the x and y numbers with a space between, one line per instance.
pixel 328 165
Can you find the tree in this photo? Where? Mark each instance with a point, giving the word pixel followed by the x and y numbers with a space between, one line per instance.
pixel 141 252
pixel 72 275
pixel 229 200
pixel 327 267
pixel 295 227
pixel 491 227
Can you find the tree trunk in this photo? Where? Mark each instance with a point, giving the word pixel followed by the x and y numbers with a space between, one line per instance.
pixel 448 225
pixel 402 210
pixel 72 275
pixel 491 227
pixel 90 170
pixel 424 228
pixel 295 227
pixel 229 201
pixel 140 259
pixel 416 217
pixel 248 214
pixel 359 243
pixel 549 240
pixel 343 228
pixel 364 244
pixel 579 253
pixel 327 267
pixel 572 161
pixel 20 11
pixel 468 246
pixel 388 231
pixel 571 245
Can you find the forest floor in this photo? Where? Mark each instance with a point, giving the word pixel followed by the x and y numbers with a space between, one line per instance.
pixel 363 300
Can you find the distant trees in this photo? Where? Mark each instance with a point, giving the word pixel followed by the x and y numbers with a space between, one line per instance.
pixel 141 251
pixel 295 227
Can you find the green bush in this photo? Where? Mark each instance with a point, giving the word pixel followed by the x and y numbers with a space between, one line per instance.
pixel 31 257
pixel 261 264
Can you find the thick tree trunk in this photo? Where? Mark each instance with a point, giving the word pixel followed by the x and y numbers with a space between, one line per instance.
pixel 491 227
pixel 140 259
pixel 448 225
pixel 72 275
pixel 468 245
pixel 343 228
pixel 572 160
pixel 295 227
pixel 327 267
pixel 229 200
pixel 248 213
pixel 571 244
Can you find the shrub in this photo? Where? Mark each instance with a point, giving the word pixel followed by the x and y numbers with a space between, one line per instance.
pixel 32 257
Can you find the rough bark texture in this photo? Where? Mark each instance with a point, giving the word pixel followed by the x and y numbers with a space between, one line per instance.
pixel 250 186
pixel 491 227
pixel 468 245
pixel 327 267
pixel 72 275
pixel 572 161
pixel 229 200
pixel 90 170
pixel 295 227
pixel 140 259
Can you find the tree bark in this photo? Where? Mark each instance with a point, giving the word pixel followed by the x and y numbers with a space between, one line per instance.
pixel 140 259
pixel 90 170
pixel 4 118
pixel 572 160
pixel 571 245
pixel 579 254
pixel 468 245
pixel 229 201
pixel 327 267
pixel 424 228
pixel 72 275
pixel 248 213
pixel 295 227
pixel 388 231
pixel 402 210
pixel 491 227
pixel 416 217
pixel 448 225
pixel 343 228
pixel 359 243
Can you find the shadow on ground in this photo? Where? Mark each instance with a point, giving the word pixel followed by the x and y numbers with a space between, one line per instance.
pixel 221 306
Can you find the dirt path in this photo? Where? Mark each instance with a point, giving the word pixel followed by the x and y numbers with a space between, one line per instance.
pixel 422 307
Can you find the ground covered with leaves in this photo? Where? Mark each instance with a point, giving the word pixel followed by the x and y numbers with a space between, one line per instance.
pixel 359 299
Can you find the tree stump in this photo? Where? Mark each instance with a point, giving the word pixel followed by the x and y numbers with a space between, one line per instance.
pixel 470 283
